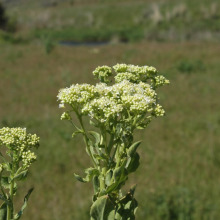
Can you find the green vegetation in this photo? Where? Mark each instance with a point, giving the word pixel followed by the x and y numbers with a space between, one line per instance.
pixel 123 101
pixel 180 155
pixel 3 19
pixel 117 20
pixel 15 159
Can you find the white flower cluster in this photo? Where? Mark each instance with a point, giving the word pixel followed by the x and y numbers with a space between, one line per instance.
pixel 18 141
pixel 65 116
pixel 102 73
pixel 160 81
pixel 18 138
pixel 159 111
pixel 76 95
pixel 133 73
pixel 131 98
pixel 103 108
pixel 28 158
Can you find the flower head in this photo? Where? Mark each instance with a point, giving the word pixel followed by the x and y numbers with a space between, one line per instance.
pixel 131 101
pixel 19 143
pixel 134 74
pixel 76 95
pixel 17 138
pixel 103 73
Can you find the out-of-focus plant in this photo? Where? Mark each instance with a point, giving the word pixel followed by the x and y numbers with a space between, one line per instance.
pixel 15 159
pixel 7 24
pixel 49 44
pixel 116 110
pixel 3 18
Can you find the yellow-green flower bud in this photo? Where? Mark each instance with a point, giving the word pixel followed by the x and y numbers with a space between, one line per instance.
pixel 1 168
pixel 65 116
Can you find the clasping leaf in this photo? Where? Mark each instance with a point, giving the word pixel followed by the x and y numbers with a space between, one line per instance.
pixel 90 172
pixel 132 149
pixel 20 213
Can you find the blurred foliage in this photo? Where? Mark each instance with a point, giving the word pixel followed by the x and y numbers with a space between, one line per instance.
pixel 189 66
pixel 3 19
pixel 102 20
pixel 7 24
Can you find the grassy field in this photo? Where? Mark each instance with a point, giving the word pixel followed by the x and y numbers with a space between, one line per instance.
pixel 180 154
pixel 179 175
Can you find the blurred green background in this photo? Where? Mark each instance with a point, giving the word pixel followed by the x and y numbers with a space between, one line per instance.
pixel 48 45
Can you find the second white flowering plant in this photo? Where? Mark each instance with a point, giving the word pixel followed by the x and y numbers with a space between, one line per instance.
pixel 124 100
pixel 16 156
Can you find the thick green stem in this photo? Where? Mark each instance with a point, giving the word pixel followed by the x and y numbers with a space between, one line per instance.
pixel 103 132
pixel 102 179
pixel 10 208
pixel 111 143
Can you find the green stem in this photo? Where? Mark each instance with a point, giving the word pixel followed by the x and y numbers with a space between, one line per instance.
pixel 103 132
pixel 110 144
pixel 10 206
pixel 113 155
pixel 102 179
pixel 75 126
pixel 2 190
pixel 86 138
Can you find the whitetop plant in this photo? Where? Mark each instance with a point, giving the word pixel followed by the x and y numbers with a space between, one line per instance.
pixel 15 159
pixel 116 109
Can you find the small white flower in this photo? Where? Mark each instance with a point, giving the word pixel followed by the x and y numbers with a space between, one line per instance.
pixel 61 105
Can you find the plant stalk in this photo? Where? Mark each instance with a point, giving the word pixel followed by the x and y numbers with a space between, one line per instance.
pixel 86 138
pixel 10 208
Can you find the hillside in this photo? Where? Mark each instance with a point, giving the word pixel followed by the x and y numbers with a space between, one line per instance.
pixel 83 20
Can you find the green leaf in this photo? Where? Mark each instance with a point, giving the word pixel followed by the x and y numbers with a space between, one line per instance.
pixel 96 135
pixel 98 208
pixel 134 163
pixel 75 133
pixel 7 166
pixel 119 171
pixel 140 127
pixel 120 175
pixel 108 177
pixel 21 176
pixel 2 197
pixel 3 211
pixel 102 209
pixel 90 172
pixel 93 123
pixel 98 139
pixel 20 213
pixel 5 182
pixel 129 195
pixel 127 206
pixel 101 156
pixel 112 187
pixel 79 178
pixel 132 149
pixel 96 184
